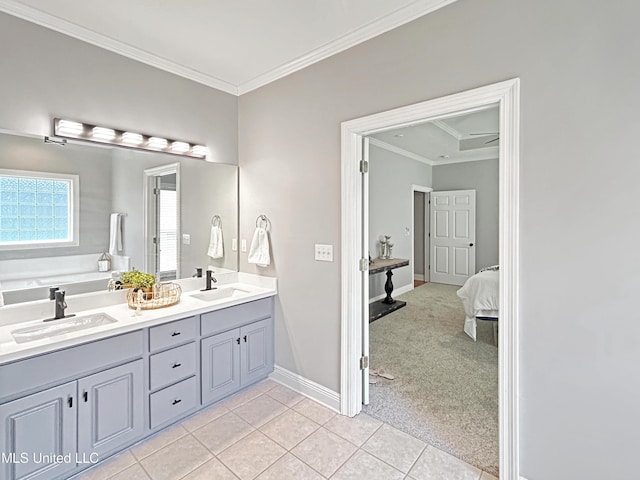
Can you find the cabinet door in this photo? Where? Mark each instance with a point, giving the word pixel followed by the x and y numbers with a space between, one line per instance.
pixel 220 365
pixel 36 428
pixel 256 351
pixel 110 409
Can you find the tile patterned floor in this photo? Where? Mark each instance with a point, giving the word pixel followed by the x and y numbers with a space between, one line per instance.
pixel 269 432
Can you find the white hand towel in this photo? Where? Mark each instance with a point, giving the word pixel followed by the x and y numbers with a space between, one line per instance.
pixel 115 234
pixel 259 251
pixel 216 249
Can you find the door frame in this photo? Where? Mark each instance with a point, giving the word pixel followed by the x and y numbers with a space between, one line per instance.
pixel 426 191
pixel 149 174
pixel 507 95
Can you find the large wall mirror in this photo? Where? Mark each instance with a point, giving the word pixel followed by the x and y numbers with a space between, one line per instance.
pixel 57 206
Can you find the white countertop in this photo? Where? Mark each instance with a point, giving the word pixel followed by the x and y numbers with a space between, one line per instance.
pixel 114 304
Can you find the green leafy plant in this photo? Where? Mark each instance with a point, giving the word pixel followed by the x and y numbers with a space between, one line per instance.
pixel 137 279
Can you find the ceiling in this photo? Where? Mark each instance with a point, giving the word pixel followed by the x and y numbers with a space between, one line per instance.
pixel 448 140
pixel 232 45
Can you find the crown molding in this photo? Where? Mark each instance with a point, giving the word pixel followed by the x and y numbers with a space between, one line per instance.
pixel 381 25
pixel 52 22
pixel 448 129
pixel 372 29
pixel 401 151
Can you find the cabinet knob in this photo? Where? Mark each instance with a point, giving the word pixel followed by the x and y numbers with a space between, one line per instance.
pixel 245 339
pixel 176 401
pixel 176 365
pixel 238 340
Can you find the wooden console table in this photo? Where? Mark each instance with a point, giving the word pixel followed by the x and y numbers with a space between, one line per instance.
pixel 387 305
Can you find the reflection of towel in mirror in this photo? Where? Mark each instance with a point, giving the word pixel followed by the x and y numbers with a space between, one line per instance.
pixel 115 234
pixel 259 251
pixel 215 243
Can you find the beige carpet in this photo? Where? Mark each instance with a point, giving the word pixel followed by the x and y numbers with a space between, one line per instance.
pixel 445 390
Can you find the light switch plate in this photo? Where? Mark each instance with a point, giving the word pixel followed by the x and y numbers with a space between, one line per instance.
pixel 234 244
pixel 324 253
pixel 186 239
pixel 243 245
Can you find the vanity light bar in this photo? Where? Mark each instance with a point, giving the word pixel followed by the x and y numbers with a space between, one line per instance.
pixel 94 133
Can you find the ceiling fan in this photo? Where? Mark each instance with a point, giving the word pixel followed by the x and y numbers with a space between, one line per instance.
pixel 489 133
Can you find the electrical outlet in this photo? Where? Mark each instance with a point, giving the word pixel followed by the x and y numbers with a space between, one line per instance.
pixel 243 245
pixel 324 253
pixel 234 244
pixel 186 239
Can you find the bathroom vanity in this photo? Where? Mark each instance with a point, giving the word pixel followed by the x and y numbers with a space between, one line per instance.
pixel 75 398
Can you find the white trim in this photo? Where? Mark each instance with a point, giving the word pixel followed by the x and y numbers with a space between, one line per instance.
pixel 414 189
pixel 377 27
pixel 396 291
pixel 480 158
pixel 506 94
pixel 445 127
pixel 400 151
pixel 418 277
pixel 52 22
pixel 306 387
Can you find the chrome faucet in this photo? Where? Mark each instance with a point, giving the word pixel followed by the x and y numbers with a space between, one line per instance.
pixel 210 279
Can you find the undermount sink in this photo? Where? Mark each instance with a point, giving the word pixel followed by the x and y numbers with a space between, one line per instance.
pixel 60 327
pixel 219 293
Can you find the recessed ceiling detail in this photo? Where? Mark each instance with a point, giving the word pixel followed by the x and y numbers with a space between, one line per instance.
pixel 455 139
pixel 231 46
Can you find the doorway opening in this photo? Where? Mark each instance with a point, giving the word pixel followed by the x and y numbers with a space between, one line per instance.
pixel 420 227
pixel 162 221
pixel 354 358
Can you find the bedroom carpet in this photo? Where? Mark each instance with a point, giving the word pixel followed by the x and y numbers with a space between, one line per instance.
pixel 445 390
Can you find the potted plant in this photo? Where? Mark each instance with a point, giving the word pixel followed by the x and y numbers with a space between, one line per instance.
pixel 138 280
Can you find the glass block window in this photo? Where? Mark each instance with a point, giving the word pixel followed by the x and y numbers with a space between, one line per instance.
pixel 36 209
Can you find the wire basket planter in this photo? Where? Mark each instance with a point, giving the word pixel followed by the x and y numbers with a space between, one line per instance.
pixel 159 296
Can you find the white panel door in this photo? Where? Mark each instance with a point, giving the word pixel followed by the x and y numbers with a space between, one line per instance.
pixel 453 236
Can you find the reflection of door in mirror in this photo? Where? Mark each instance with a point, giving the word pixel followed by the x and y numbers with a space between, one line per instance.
pixel 162 224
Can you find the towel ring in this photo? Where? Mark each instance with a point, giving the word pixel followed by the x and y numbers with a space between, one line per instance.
pixel 263 218
pixel 216 221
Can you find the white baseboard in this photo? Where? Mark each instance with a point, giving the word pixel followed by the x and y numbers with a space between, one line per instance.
pixel 396 291
pixel 306 387
pixel 418 276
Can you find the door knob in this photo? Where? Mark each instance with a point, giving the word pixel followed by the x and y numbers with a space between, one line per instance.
pixel 471 244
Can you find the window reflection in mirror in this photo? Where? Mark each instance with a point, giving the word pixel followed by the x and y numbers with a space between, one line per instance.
pixel 113 180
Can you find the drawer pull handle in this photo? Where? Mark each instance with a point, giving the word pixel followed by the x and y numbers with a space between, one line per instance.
pixel 70 402
pixel 176 365
pixel 175 334
pixel 176 401
pixel 85 396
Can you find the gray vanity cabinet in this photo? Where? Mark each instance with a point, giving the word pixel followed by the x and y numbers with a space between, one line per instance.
pixel 240 350
pixel 40 424
pixel 220 365
pixel 110 409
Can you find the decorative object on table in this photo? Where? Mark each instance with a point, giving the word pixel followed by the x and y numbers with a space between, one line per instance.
pixel 136 280
pixel 104 262
pixel 216 244
pixel 259 250
pixel 161 296
pixel 385 247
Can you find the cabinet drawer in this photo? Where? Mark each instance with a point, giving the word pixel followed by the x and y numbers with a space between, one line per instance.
pixel 173 401
pixel 173 333
pixel 172 365
pixel 233 317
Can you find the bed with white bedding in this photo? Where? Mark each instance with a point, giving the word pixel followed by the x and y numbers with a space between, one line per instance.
pixel 480 299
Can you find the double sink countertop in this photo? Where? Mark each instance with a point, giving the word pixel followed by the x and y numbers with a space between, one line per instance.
pixel 231 289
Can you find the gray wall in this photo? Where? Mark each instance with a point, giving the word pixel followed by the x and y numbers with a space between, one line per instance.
pixel 92 165
pixel 390 197
pixel 580 334
pixel 46 74
pixel 483 177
